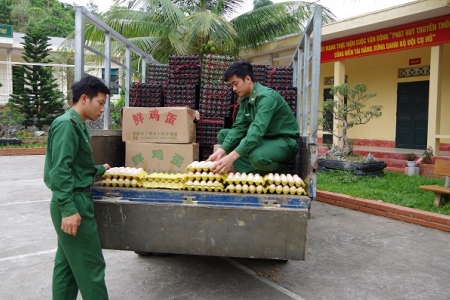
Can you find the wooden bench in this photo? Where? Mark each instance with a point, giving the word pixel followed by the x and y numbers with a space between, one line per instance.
pixel 441 193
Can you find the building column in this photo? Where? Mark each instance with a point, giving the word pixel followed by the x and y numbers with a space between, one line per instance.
pixel 9 74
pixel 434 105
pixel 339 78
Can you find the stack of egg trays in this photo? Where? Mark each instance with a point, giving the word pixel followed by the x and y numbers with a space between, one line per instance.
pixel 181 95
pixel 145 95
pixel 215 100
pixel 213 68
pixel 289 94
pixel 157 74
pixel 184 69
pixel 279 76
pixel 207 130
pixel 260 73
pixel 205 152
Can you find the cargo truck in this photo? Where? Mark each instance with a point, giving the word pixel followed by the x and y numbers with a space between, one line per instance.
pixel 263 226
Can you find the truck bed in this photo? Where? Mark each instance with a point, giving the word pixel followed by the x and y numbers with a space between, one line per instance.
pixel 264 226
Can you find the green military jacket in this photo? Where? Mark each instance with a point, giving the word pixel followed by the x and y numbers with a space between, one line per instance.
pixel 265 114
pixel 69 163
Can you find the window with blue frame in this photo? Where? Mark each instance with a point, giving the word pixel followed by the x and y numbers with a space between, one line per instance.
pixel 114 78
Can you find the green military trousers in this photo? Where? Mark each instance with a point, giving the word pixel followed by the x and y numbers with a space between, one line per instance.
pixel 272 156
pixel 79 262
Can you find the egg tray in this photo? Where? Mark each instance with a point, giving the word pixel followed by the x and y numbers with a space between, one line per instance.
pixel 164 177
pixel 246 189
pixel 200 166
pixel 130 184
pixel 204 186
pixel 151 184
pixel 139 176
pixel 204 176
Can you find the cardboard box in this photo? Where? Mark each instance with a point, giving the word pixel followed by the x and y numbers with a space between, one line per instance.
pixel 160 158
pixel 158 124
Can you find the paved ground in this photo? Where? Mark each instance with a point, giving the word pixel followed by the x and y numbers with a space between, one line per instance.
pixel 351 255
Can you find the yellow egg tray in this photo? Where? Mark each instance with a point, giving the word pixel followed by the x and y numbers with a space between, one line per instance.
pixel 163 185
pixel 200 166
pixel 125 173
pixel 236 178
pixel 245 188
pixel 121 182
pixel 290 180
pixel 164 177
pixel 204 176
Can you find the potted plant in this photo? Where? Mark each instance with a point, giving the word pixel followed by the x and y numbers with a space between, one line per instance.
pixel 410 159
pixel 348 108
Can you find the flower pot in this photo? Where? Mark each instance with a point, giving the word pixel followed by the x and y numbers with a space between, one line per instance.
pixel 411 163
pixel 357 168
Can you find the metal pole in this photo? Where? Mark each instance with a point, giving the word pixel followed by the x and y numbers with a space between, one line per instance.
pixel 107 79
pixel 127 76
pixel 144 70
pixel 79 43
pixel 305 109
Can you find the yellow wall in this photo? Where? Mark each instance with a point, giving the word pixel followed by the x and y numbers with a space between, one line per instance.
pixel 380 74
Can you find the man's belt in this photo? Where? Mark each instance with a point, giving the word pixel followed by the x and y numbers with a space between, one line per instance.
pixel 82 190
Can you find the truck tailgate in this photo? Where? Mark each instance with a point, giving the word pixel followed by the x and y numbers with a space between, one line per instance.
pixel 202 223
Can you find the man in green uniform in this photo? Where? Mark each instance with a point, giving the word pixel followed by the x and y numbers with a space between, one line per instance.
pixel 69 171
pixel 264 137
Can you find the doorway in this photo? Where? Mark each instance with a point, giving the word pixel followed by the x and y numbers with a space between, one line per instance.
pixel 412 115
pixel 327 138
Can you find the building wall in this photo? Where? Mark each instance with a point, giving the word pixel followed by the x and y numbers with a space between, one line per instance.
pixel 380 74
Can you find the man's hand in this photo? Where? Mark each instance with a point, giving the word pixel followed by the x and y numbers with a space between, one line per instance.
pixel 217 155
pixel 71 223
pixel 225 164
pixel 107 166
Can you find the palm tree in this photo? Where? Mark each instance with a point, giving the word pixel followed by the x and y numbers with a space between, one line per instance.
pixel 164 27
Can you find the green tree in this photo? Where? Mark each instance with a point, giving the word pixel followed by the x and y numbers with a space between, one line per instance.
pixel 40 101
pixel 5 12
pixel 54 18
pixel 163 27
pixel 260 3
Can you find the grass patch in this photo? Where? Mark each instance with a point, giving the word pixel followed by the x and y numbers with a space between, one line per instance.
pixel 394 188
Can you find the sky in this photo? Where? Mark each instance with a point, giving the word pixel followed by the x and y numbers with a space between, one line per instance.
pixel 343 9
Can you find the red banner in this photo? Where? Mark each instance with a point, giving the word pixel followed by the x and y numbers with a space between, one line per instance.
pixel 413 35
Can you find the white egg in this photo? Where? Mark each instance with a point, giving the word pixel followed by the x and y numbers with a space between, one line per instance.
pixel 286 189
pixel 230 176
pixel 279 189
pixel 245 188
pixel 272 188
pixel 238 188
pixel 257 178
pixel 277 178
pixel 259 189
pixel 243 176
pixel 231 187
pixel 293 190
pixel 270 177
pixel 252 188
pixel 237 177
pixel 250 177
pixel 189 182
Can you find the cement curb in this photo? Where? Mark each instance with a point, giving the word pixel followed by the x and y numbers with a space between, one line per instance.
pixel 392 211
pixel 22 151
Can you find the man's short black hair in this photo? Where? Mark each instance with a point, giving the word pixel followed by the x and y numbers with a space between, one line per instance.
pixel 89 85
pixel 241 69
